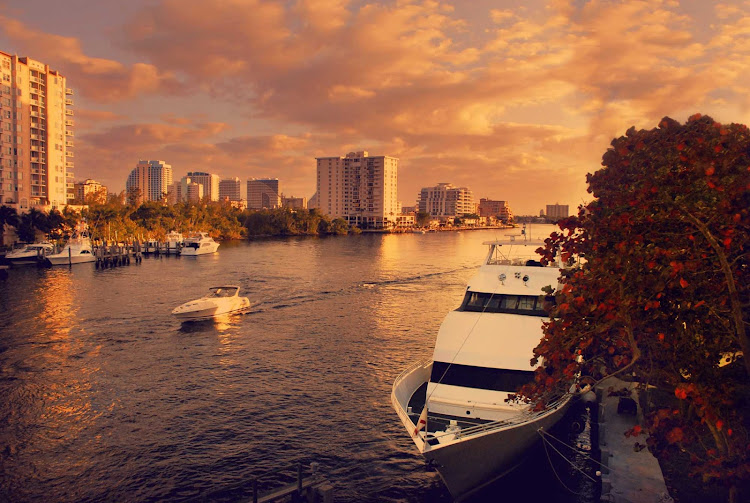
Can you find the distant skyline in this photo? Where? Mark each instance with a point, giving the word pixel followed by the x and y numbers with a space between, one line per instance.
pixel 515 103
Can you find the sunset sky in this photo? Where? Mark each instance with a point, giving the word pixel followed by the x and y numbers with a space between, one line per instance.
pixel 516 103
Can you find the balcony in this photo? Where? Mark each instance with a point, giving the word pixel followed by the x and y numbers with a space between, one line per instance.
pixel 68 132
pixel 69 102
pixel 69 154
pixel 69 164
pixel 69 144
pixel 36 137
pixel 68 91
pixel 69 122
pixel 68 112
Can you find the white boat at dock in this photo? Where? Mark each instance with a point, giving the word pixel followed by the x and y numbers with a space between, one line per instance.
pixel 150 246
pixel 174 242
pixel 457 406
pixel 199 244
pixel 219 301
pixel 76 251
pixel 30 253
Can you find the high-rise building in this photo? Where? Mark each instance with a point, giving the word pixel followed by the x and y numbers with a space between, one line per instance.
pixel 149 181
pixel 556 212
pixel 230 189
pixel 263 193
pixel 499 209
pixel 36 139
pixel 359 188
pixel 194 192
pixel 445 200
pixel 209 181
pixel 90 191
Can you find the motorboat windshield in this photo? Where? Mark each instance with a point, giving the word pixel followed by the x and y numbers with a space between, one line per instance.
pixel 223 291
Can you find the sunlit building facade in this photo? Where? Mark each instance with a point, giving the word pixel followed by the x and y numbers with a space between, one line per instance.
pixel 493 208
pixel 209 181
pixel 90 191
pixel 263 193
pixel 294 203
pixel 150 181
pixel 36 136
pixel 446 201
pixel 230 189
pixel 556 212
pixel 361 189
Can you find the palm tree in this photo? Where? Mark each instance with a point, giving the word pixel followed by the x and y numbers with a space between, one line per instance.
pixel 8 216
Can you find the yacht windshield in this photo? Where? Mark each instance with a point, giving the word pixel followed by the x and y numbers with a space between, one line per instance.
pixel 483 302
pixel 468 376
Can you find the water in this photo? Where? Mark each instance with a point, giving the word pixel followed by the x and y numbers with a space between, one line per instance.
pixel 107 398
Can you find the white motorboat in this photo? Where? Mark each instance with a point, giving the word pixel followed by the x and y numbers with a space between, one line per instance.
pixel 30 254
pixel 458 407
pixel 76 251
pixel 220 300
pixel 151 246
pixel 174 242
pixel 199 244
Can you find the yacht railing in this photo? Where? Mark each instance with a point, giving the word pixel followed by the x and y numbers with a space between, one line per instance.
pixel 524 417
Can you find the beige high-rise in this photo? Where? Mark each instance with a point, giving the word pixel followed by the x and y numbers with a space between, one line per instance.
pixel 361 189
pixel 36 156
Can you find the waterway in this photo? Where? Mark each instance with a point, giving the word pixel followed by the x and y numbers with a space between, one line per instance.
pixel 106 397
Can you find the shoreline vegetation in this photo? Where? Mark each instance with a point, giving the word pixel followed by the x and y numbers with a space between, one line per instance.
pixel 117 221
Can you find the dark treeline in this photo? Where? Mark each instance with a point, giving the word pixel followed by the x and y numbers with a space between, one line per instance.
pixel 116 220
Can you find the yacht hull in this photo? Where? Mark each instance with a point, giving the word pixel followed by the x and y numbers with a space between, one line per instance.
pixel 73 259
pixel 470 461
pixel 470 464
pixel 202 310
pixel 189 251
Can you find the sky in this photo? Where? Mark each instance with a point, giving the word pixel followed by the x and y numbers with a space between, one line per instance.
pixel 517 101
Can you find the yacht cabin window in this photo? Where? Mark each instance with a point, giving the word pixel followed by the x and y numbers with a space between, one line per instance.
pixel 483 302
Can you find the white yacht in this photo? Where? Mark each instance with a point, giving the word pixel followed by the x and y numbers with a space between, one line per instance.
pixel 458 406
pixel 174 242
pixel 76 251
pixel 30 253
pixel 151 245
pixel 220 300
pixel 199 244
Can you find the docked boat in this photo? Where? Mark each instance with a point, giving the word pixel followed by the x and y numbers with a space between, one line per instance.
pixel 151 246
pixel 458 407
pixel 76 251
pixel 174 242
pixel 199 244
pixel 30 254
pixel 220 300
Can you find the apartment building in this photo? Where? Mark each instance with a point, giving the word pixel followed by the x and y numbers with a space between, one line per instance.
pixel 230 189
pixel 294 203
pixel 556 212
pixel 36 136
pixel 150 181
pixel 209 181
pixel 446 201
pixel 493 208
pixel 361 189
pixel 263 193
pixel 90 191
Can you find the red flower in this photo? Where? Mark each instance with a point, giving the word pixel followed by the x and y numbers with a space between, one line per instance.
pixel 710 171
pixel 675 435
pixel 680 393
pixel 683 283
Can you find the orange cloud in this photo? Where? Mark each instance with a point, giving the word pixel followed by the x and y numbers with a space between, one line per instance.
pixel 97 79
